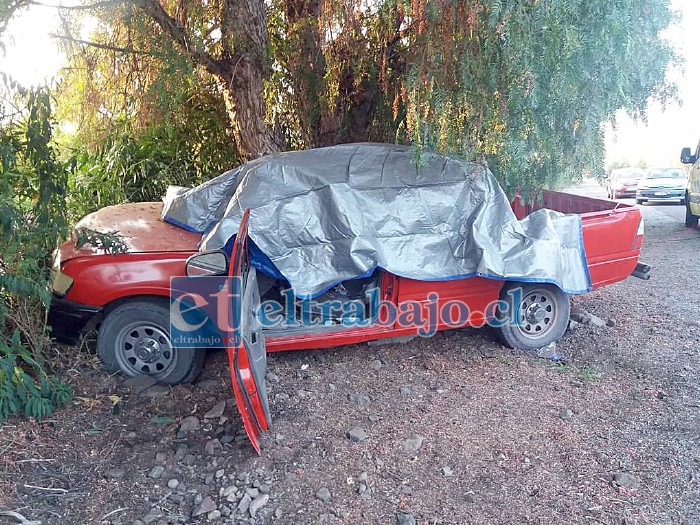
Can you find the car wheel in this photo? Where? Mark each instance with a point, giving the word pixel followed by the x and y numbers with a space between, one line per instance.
pixel 691 221
pixel 542 315
pixel 640 201
pixel 134 339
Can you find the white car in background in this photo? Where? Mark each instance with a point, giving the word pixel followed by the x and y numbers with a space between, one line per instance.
pixel 662 184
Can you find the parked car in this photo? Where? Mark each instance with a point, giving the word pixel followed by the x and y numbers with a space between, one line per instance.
pixel 662 184
pixel 126 296
pixel 692 192
pixel 622 182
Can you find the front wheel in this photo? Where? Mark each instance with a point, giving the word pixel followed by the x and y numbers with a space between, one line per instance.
pixel 538 314
pixel 691 221
pixel 134 338
pixel 640 201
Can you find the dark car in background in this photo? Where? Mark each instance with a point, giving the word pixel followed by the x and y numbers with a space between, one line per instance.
pixel 623 182
pixel 662 184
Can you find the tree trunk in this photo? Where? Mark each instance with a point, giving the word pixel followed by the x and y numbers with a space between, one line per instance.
pixel 241 69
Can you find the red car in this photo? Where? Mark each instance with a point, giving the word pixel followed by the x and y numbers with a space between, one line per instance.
pixel 623 183
pixel 126 296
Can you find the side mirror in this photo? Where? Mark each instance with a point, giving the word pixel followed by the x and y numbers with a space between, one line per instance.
pixel 687 157
pixel 207 263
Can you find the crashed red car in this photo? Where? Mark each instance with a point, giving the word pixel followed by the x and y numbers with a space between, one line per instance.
pixel 126 295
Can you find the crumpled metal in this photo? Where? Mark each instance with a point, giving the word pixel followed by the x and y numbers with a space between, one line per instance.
pixel 323 216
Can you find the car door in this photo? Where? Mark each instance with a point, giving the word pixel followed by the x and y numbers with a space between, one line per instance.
pixel 246 349
pixel 694 184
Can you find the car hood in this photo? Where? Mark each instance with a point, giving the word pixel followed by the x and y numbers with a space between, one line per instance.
pixel 139 227
pixel 662 183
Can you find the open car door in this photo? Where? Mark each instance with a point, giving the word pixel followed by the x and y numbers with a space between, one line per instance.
pixel 246 350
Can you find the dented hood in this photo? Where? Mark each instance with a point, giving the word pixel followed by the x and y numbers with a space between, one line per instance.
pixel 139 226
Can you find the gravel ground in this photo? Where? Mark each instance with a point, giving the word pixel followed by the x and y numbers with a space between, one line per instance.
pixel 450 430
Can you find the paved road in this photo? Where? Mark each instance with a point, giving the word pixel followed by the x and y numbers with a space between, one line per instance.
pixel 658 211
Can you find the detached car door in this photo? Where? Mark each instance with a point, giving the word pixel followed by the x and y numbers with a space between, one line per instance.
pixel 246 349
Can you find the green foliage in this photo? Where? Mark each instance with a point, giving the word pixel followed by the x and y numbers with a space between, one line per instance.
pixel 32 222
pixel 527 85
pixel 108 242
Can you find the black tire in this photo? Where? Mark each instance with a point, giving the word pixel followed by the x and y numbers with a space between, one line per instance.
pixel 691 221
pixel 134 338
pixel 640 201
pixel 549 309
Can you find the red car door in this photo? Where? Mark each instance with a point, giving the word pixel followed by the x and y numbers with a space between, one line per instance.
pixel 246 350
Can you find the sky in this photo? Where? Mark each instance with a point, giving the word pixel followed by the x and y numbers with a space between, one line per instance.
pixel 32 58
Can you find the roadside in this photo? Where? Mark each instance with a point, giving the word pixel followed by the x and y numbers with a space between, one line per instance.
pixel 449 430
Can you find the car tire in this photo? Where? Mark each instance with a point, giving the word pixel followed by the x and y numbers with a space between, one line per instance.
pixel 134 338
pixel 640 201
pixel 691 221
pixel 543 313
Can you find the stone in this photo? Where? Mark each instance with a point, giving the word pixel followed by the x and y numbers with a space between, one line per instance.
pixel 155 392
pixel 214 515
pixel 376 364
pixel 244 504
pixel 272 378
pixel 207 384
pixel 227 438
pixel 405 518
pixel 156 472
pixel 173 484
pixel 216 411
pixel 373 418
pixel 447 472
pixel 140 382
pixel 404 390
pixel 115 473
pixel 205 507
pixel 189 424
pixel 253 492
pixel 360 399
pixel 219 473
pixel 357 434
pixel 566 414
pixel 625 480
pixel 324 495
pixel 189 460
pixel 611 323
pixel 212 446
pixel 412 445
pixel 161 457
pixel 257 504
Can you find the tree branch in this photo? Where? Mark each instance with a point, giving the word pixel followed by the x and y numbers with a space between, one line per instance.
pixel 99 45
pixel 81 7
pixel 178 34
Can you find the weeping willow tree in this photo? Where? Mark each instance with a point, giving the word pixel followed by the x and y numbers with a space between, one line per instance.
pixel 525 85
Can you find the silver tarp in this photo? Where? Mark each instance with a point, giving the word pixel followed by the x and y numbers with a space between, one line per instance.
pixel 327 215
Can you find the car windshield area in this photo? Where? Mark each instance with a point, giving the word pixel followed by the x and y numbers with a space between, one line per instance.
pixel 627 174
pixel 665 173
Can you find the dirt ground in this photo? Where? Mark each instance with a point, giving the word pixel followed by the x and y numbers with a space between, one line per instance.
pixel 459 430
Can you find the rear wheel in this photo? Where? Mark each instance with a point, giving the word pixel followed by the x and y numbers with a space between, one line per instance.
pixel 691 221
pixel 134 339
pixel 640 201
pixel 540 317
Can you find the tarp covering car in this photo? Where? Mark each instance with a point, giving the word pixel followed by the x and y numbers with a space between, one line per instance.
pixel 323 216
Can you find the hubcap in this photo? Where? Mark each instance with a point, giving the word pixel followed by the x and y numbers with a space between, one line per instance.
pixel 538 313
pixel 143 348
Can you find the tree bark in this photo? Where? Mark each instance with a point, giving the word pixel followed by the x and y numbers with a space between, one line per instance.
pixel 241 70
